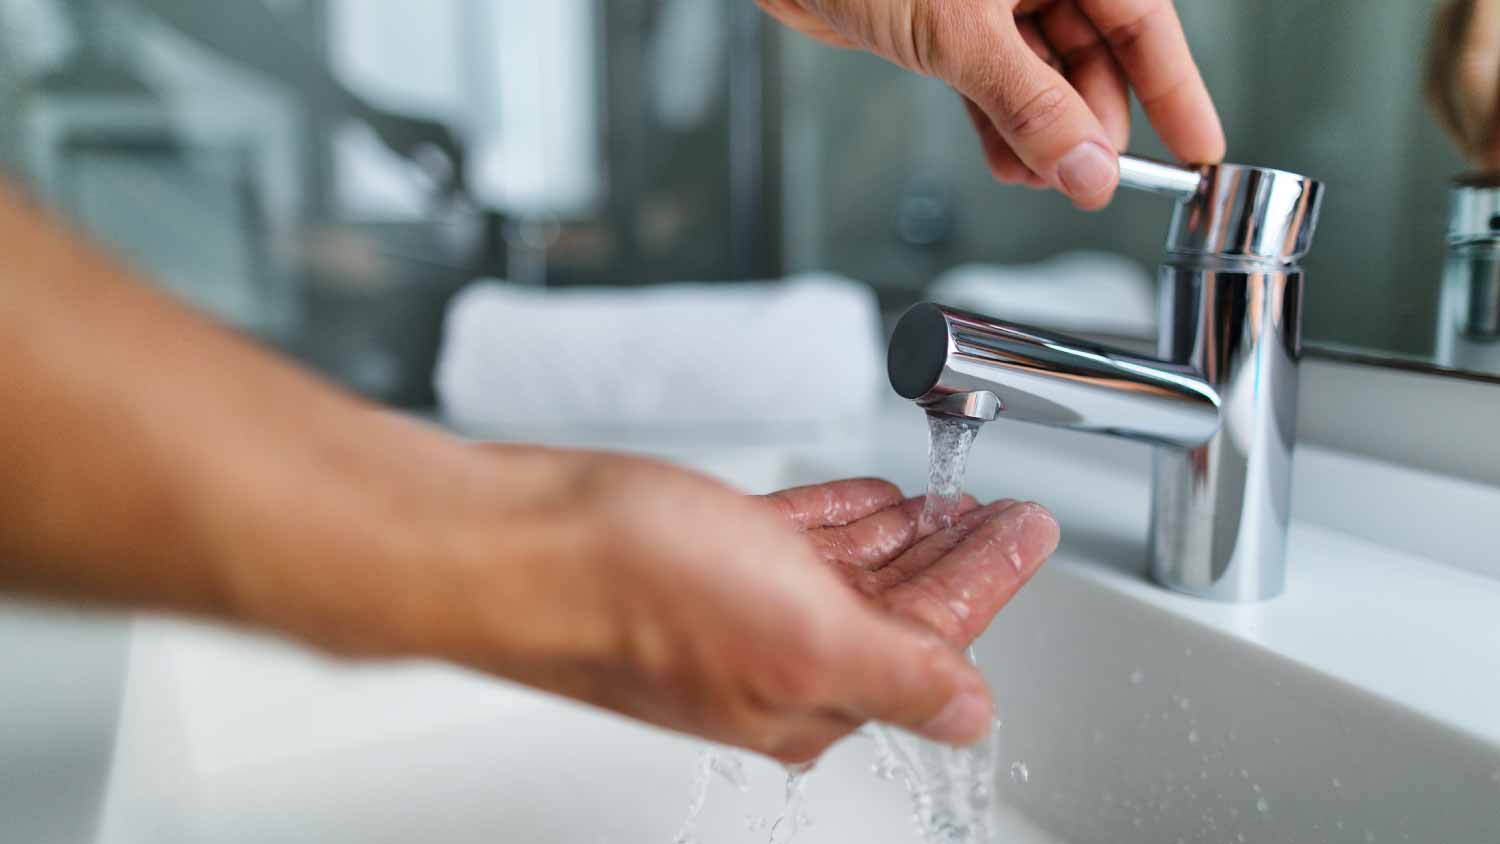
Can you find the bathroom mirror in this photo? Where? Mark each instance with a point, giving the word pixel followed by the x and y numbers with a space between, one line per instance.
pixel 1334 90
pixel 697 140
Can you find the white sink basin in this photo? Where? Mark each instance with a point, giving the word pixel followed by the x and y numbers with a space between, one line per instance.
pixel 1363 706
pixel 61 676
pixel 1140 727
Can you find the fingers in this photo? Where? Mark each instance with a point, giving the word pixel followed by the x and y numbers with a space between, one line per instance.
pixel 836 503
pixel 1004 164
pixel 1034 109
pixel 933 547
pixel 956 592
pixel 872 542
pixel 1146 38
pixel 897 674
pixel 1476 79
pixel 1441 53
pixel 1091 67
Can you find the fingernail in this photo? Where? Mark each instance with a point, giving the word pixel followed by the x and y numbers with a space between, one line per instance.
pixel 965 720
pixel 1087 170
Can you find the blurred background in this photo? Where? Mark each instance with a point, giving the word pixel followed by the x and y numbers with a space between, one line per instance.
pixel 326 174
pixel 333 177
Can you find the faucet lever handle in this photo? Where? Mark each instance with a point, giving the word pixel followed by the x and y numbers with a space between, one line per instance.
pixel 1144 174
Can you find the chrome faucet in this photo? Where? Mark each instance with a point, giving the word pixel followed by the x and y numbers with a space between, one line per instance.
pixel 1220 401
pixel 1468 331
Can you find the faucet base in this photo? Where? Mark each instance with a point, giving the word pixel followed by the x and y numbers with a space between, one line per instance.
pixel 1220 510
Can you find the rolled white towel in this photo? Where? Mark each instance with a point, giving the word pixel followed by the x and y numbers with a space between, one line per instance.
pixel 802 351
pixel 1083 292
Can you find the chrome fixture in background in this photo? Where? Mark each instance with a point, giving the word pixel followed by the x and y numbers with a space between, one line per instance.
pixel 1220 401
pixel 1468 330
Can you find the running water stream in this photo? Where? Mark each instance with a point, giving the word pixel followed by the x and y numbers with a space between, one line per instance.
pixel 951 788
pixel 949 439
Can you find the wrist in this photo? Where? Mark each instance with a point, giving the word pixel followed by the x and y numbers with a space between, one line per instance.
pixel 309 527
pixel 391 539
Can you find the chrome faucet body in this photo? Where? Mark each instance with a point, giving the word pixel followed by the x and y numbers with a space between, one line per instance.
pixel 1468 330
pixel 1220 401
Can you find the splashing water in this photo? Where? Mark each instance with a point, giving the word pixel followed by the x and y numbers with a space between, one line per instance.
pixel 794 811
pixel 952 789
pixel 686 834
pixel 949 439
pixel 728 764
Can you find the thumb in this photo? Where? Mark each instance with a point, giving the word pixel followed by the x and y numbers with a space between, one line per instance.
pixel 1035 110
pixel 902 675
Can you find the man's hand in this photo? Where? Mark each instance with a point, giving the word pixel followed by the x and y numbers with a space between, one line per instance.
pixel 1463 78
pixel 778 624
pixel 666 597
pixel 1045 81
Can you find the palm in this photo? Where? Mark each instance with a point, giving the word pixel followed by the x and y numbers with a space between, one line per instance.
pixel 952 581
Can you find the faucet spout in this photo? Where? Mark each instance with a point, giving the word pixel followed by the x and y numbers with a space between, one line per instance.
pixel 964 364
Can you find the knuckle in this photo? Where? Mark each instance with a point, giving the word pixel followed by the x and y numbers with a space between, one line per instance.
pixel 925 27
pixel 1127 36
pixel 1038 113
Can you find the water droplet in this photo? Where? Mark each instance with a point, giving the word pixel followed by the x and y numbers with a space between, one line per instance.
pixel 1338 823
pixel 1255 787
pixel 1019 773
pixel 1244 774
pixel 1240 837
pixel 730 765
pixel 1203 775
pixel 1335 782
pixel 1184 704
pixel 1263 805
pixel 1192 736
pixel 1137 677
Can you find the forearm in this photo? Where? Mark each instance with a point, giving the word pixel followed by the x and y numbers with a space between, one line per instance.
pixel 149 457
